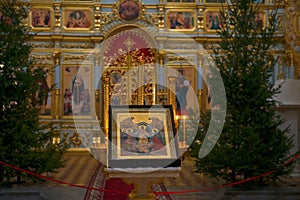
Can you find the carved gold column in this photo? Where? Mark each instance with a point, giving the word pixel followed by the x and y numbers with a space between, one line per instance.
pixel 97 76
pixel 172 96
pixel 101 101
pixel 56 138
pixel 161 92
pixel 200 18
pixel 56 55
pixel 57 16
pixel 129 64
pixel 290 64
pixel 56 103
pixel 290 34
pixel 205 88
pixel 56 93
pixel 97 16
pixel 201 100
pixel 161 11
pixel 141 75
pixel 97 103
pixel 105 89
pixel 296 67
pixel 200 82
pixel 280 75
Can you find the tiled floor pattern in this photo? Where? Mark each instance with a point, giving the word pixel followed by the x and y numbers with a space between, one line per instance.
pixel 78 169
pixel 188 177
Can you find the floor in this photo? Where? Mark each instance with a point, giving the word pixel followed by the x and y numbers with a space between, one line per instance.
pixel 80 168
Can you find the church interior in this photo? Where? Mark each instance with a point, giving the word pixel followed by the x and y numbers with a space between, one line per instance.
pixel 123 54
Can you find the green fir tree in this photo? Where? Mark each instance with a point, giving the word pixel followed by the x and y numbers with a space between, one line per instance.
pixel 24 142
pixel 252 141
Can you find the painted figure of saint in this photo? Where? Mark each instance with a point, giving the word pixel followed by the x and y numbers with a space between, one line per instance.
pixel 85 99
pixel 42 95
pixel 78 19
pixel 182 86
pixel 40 18
pixel 77 88
pixel 129 10
pixel 67 101
pixel 144 142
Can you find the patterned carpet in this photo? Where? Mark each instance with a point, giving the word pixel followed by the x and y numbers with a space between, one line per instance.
pixel 97 181
pixel 85 170
pixel 161 188
pixel 114 185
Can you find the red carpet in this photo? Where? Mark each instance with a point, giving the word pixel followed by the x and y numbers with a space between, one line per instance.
pixel 99 180
pixel 116 184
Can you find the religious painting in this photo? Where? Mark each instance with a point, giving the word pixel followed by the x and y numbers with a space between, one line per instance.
pixel 208 100
pixel 213 20
pixel 259 1
pixel 76 90
pixel 184 1
pixel 297 21
pixel 256 1
pixel 181 20
pixel 259 21
pixel 214 1
pixel 78 19
pixel 41 17
pixel 44 94
pixel 5 19
pixel 115 77
pixel 281 22
pixel 79 0
pixel 117 85
pixel 129 10
pixel 185 80
pixel 141 136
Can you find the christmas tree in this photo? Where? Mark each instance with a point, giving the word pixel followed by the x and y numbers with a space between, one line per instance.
pixel 24 142
pixel 253 140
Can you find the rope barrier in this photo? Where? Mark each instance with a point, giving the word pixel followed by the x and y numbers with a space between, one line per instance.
pixel 230 184
pixel 156 193
pixel 55 180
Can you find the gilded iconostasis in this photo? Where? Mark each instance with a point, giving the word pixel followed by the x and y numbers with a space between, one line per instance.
pixel 135 52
